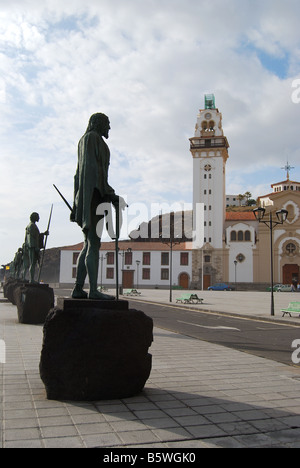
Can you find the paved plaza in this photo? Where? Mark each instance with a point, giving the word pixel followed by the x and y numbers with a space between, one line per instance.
pixel 199 395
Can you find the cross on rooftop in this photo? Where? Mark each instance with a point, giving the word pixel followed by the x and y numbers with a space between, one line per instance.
pixel 287 168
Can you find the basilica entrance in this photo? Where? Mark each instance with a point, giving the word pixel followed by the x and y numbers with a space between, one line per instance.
pixel 290 274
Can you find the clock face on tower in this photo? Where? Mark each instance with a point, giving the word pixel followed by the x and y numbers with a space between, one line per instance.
pixel 207 116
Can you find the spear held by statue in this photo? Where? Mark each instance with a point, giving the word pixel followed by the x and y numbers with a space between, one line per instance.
pixel 45 243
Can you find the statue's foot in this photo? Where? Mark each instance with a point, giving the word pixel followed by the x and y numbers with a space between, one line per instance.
pixel 79 293
pixel 96 295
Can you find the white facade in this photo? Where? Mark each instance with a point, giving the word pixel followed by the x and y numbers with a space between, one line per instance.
pixel 147 268
pixel 66 267
pixel 240 242
pixel 208 190
pixel 234 200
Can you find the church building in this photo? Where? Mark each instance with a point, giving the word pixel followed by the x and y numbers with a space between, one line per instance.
pixel 236 246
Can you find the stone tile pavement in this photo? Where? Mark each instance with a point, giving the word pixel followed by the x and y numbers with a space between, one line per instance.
pixel 199 395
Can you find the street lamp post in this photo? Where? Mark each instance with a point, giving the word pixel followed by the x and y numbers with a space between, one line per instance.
pixel 102 257
pixel 281 215
pixel 171 243
pixel 137 273
pixel 235 265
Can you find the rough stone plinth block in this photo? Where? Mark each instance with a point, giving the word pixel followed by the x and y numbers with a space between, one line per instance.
pixel 9 289
pixel 33 301
pixel 95 350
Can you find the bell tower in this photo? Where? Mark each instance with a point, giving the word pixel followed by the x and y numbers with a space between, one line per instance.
pixel 209 148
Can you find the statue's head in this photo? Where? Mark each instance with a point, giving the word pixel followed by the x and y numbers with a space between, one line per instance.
pixel 34 217
pixel 99 123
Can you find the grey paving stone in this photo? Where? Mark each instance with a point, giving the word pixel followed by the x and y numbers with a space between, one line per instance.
pixel 192 399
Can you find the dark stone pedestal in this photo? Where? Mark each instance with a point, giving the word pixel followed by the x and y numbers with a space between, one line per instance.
pixel 33 302
pixel 9 289
pixel 95 350
pixel 80 304
pixel 6 286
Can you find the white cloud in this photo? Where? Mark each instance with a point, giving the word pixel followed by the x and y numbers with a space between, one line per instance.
pixel 146 65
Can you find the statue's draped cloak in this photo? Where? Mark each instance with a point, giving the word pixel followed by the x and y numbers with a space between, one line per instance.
pixel 91 175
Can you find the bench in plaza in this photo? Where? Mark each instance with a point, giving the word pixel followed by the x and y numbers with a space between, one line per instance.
pixel 189 299
pixel 293 308
pixel 131 292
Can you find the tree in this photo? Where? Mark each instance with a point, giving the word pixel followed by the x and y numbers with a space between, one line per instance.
pixel 248 195
pixel 240 197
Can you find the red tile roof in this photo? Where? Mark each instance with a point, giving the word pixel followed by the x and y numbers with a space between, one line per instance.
pixel 240 216
pixel 142 246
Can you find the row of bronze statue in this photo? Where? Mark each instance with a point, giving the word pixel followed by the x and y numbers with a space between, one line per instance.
pixel 28 256
pixel 91 188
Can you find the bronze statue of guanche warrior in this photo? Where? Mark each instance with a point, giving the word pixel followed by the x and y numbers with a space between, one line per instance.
pixel 91 188
pixel 34 242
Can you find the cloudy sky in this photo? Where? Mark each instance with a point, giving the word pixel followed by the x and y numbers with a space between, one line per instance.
pixel 147 65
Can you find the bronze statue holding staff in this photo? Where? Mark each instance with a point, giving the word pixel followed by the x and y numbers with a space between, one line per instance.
pixel 34 242
pixel 91 188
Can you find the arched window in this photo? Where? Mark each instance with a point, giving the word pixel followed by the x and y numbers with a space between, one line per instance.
pixel 248 236
pixel 233 236
pixel 240 236
pixel 291 210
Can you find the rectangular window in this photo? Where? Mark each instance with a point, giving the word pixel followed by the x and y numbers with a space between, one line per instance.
pixel 110 258
pixel 128 258
pixel 146 274
pixel 184 258
pixel 165 258
pixel 74 272
pixel 146 258
pixel 75 257
pixel 109 273
pixel 164 274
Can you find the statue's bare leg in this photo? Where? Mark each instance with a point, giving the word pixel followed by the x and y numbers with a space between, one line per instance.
pixel 92 264
pixel 88 260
